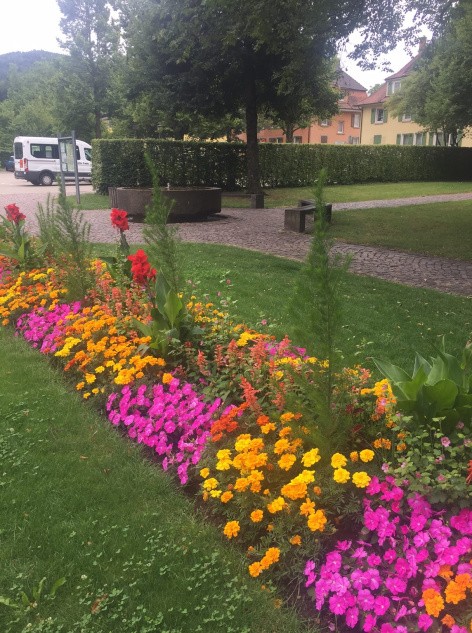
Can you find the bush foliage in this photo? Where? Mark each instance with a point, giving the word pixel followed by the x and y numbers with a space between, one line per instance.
pixel 120 163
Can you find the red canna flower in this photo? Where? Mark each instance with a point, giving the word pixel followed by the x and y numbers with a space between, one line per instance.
pixel 140 268
pixel 119 218
pixel 14 214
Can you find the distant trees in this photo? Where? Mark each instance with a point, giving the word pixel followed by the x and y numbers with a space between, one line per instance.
pixel 438 94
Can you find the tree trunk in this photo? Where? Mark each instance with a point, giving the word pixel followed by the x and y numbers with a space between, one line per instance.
pixel 252 151
pixel 289 130
pixel 98 125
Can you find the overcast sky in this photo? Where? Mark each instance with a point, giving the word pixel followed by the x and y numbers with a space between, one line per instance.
pixel 27 25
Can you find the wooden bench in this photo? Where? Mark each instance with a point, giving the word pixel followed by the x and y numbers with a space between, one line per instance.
pixel 295 217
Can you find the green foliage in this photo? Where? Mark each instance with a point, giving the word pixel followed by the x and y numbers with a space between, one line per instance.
pixel 121 163
pixel 316 304
pixel 15 243
pixel 441 389
pixel 65 234
pixel 435 464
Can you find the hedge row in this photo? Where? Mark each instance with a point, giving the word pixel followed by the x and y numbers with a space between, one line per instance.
pixel 120 163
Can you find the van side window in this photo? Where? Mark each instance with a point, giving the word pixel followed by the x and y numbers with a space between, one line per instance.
pixel 43 150
pixel 88 153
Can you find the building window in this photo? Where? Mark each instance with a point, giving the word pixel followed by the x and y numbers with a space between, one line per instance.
pixel 377 139
pixel 325 122
pixel 276 139
pixel 324 139
pixel 378 115
pixel 297 139
pixel 340 127
pixel 406 116
pixel 420 138
pixel 354 140
pixel 356 120
pixel 393 87
pixel 407 139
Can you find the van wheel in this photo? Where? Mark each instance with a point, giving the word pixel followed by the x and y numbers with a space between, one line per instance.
pixel 46 178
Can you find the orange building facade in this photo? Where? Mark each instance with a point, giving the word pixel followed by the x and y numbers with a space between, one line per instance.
pixel 343 128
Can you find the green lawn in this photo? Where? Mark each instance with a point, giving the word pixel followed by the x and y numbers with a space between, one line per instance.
pixel 336 193
pixel 381 319
pixel 443 229
pixel 78 502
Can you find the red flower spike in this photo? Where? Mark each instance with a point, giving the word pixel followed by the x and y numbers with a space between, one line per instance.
pixel 119 219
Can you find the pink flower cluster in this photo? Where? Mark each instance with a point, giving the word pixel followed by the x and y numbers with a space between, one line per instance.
pixel 170 418
pixel 377 582
pixel 43 328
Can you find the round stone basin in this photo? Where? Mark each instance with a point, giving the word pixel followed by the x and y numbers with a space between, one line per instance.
pixel 189 203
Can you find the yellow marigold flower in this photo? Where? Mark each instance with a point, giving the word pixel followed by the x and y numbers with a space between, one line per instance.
pixel 243 442
pixel 366 455
pixel 361 479
pixel 204 472
pixel 255 569
pixel 287 417
pixel 257 516
pixel 433 602
pixel 281 446
pixel 307 507
pixel 311 457
pixel 296 540
pixel 223 464
pixel 215 494
pixel 286 461
pixel 341 475
pixel 354 456
pixel 90 378
pixel 231 529
pixel 317 521
pixel 277 505
pixel 294 489
pixel 87 395
pixel 226 496
pixel 210 484
pixel 95 391
pixel 285 431
pixel 267 428
pixel 278 375
pixel 167 378
pixel 306 477
pixel 338 460
pixel 270 527
pixel 99 369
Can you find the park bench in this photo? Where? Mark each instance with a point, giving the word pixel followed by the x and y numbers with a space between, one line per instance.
pixel 295 217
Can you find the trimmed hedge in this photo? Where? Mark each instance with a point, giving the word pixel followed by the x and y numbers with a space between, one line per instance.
pixel 120 163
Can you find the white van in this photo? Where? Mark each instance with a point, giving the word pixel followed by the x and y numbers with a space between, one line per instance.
pixel 37 160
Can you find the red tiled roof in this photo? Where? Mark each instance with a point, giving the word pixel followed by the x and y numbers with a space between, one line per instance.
pixel 379 96
pixel 406 70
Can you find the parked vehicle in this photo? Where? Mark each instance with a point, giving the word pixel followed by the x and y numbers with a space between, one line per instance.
pixel 37 160
pixel 10 164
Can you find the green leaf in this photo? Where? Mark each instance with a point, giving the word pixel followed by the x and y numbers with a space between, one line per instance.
pixel 442 394
pixel 173 306
pixel 421 362
pixel 392 372
pixel 8 603
pixel 59 582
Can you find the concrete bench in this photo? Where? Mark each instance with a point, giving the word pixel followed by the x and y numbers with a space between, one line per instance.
pixel 295 217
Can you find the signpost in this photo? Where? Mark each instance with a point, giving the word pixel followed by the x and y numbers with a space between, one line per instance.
pixel 68 161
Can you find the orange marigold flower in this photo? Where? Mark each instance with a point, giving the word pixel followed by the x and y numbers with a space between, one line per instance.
pixel 257 516
pixel 296 540
pixel 433 602
pixel 286 461
pixel 255 569
pixel 455 592
pixel 226 496
pixel 354 456
pixel 448 621
pixel 317 521
pixel 231 529
pixel 167 378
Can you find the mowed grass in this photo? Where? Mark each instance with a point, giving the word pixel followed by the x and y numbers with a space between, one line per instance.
pixel 78 502
pixel 442 229
pixel 286 197
pixel 380 319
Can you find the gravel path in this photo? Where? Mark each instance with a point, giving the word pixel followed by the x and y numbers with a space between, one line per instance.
pixel 263 230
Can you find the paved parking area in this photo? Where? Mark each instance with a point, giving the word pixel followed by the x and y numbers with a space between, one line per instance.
pixel 262 230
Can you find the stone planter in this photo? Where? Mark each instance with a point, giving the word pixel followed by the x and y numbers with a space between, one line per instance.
pixel 189 203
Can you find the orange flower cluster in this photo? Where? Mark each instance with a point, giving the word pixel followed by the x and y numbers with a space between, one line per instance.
pixel 458 589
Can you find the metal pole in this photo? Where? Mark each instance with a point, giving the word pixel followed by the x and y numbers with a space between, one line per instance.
pixel 76 170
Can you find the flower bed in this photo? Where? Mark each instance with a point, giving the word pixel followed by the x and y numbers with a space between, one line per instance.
pixel 328 505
